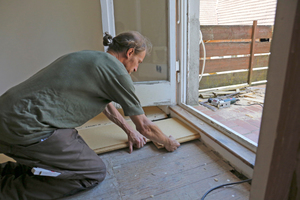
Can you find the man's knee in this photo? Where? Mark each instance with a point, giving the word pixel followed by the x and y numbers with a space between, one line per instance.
pixel 101 173
pixel 93 179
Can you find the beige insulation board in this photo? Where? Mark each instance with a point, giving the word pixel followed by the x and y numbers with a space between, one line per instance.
pixel 152 113
pixel 4 158
pixel 110 137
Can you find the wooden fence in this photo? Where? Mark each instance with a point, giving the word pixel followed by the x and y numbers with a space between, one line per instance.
pixel 238 44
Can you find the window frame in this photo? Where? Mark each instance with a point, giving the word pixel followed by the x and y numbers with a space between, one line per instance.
pixel 185 38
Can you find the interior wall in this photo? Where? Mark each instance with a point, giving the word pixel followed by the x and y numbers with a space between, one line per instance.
pixel 33 33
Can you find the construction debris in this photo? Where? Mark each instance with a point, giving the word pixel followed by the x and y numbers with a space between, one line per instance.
pixel 246 96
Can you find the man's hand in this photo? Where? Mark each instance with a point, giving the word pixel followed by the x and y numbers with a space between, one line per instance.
pixel 172 145
pixel 136 139
pixel 153 132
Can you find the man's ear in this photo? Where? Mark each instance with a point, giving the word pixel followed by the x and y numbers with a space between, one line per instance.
pixel 129 52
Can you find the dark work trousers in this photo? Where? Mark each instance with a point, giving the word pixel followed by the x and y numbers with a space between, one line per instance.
pixel 64 152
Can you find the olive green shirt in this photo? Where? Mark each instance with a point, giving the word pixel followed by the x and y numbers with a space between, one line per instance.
pixel 67 93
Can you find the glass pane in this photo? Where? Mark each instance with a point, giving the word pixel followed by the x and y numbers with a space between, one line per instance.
pixel 150 18
pixel 223 72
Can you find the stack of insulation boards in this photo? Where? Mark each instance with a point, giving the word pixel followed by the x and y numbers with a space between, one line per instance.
pixel 103 136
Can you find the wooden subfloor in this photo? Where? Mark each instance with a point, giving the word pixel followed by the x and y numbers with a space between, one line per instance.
pixel 151 173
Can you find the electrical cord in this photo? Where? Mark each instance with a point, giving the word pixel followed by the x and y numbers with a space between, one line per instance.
pixel 223 186
pixel 204 54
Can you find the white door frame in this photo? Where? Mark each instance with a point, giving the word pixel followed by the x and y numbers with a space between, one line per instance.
pixel 107 13
pixel 151 92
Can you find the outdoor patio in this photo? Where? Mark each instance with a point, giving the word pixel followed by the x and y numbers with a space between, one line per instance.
pixel 244 116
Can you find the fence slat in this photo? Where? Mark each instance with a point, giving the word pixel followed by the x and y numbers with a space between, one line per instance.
pixel 253 47
pixel 233 48
pixel 219 80
pixel 234 32
pixel 228 64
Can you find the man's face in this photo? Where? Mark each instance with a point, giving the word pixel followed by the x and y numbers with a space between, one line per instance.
pixel 133 61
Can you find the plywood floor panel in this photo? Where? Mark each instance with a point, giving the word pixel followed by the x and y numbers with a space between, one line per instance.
pixel 111 137
pixel 152 113
pixel 4 158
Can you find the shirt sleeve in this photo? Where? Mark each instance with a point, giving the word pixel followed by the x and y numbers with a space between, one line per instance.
pixel 122 91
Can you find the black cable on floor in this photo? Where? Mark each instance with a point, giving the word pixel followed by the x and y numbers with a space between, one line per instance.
pixel 223 186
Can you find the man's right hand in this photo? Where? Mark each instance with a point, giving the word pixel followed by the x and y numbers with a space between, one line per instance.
pixel 172 145
pixel 136 139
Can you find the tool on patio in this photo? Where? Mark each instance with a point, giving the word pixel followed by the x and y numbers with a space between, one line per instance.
pixel 203 103
pixel 222 103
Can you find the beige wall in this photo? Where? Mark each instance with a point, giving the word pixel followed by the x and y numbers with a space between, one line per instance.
pixel 33 33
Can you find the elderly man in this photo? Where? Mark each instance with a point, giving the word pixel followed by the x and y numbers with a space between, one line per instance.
pixel 38 116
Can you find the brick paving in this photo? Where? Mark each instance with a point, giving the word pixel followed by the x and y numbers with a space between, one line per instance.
pixel 243 119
